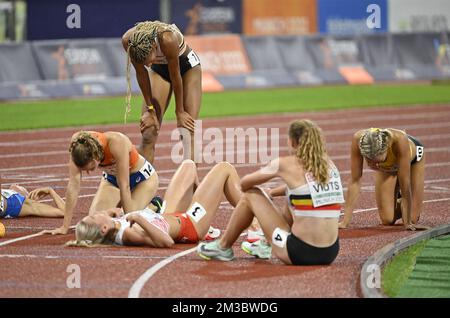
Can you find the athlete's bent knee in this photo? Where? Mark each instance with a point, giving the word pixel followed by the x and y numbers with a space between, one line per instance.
pixel 149 135
pixel 386 220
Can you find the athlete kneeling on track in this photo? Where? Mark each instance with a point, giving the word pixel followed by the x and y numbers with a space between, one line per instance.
pixel 128 178
pixel 307 232
pixel 399 163
pixel 145 227
pixel 18 202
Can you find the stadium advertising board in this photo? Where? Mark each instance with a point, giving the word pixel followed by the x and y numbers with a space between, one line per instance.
pixel 68 19
pixel 414 16
pixel 262 17
pixel 194 17
pixel 352 16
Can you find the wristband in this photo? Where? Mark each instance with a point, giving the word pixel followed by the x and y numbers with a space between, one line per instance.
pixel 151 107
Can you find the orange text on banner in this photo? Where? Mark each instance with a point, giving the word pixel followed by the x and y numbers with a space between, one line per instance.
pixel 221 54
pixel 268 17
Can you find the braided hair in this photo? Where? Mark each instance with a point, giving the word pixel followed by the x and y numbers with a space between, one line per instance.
pixel 374 142
pixel 85 148
pixel 140 45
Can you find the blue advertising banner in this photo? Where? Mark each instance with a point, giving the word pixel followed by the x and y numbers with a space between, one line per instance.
pixel 64 19
pixel 195 17
pixel 352 16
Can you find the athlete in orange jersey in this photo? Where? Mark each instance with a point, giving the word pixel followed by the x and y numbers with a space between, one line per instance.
pixel 186 218
pixel 399 163
pixel 128 178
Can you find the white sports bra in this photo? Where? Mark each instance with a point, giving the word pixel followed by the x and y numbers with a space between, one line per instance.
pixel 315 200
pixel 149 215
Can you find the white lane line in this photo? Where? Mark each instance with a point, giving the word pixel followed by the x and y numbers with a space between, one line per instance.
pixel 348 119
pixel 23 238
pixel 135 290
pixel 229 139
pixel 78 256
pixel 208 167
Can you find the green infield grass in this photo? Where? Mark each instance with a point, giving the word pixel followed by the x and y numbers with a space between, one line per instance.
pixel 110 110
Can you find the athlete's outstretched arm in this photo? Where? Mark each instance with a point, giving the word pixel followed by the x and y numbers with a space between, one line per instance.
pixel 72 191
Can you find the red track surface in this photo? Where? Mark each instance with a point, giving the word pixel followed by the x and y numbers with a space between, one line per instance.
pixel 36 267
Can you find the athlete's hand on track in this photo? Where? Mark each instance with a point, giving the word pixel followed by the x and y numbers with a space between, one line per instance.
pixel 186 121
pixel 39 193
pixel 59 230
pixel 149 119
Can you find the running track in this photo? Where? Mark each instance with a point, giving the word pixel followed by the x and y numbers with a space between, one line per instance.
pixel 35 266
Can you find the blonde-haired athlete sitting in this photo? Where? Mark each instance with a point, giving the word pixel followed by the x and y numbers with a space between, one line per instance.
pixel 163 62
pixel 399 163
pixel 187 218
pixel 306 231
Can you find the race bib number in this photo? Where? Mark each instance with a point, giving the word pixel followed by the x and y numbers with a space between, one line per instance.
pixel 196 212
pixel 147 170
pixel 193 59
pixel 279 237
pixel 326 194
pixel 419 153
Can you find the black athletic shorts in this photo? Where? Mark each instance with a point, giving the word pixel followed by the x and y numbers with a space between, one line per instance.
pixel 419 149
pixel 187 61
pixel 301 253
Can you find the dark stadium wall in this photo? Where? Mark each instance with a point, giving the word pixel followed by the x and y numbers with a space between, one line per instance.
pixel 49 19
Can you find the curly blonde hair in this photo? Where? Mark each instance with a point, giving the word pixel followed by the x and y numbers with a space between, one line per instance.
pixel 140 45
pixel 374 142
pixel 311 148
pixel 85 148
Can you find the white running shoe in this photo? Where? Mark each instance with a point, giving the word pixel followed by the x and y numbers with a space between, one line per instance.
pixel 254 236
pixel 260 249
pixel 212 234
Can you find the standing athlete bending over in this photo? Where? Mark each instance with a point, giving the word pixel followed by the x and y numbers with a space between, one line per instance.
pixel 163 62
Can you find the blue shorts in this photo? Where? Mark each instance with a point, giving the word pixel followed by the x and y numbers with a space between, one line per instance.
pixel 14 206
pixel 143 174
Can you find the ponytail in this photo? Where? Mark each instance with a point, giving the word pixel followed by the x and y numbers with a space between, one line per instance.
pixel 311 150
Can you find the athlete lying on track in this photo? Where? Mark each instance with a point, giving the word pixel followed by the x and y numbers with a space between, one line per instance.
pixel 187 218
pixel 18 202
